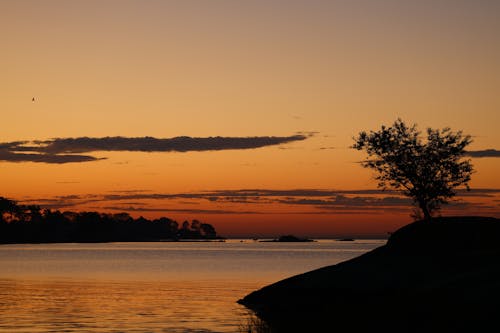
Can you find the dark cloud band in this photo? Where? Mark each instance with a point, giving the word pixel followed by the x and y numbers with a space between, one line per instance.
pixel 67 150
pixel 9 156
pixel 484 153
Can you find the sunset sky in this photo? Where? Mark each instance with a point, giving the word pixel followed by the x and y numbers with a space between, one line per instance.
pixel 285 85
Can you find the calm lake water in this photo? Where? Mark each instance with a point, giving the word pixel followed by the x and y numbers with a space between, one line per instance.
pixel 149 287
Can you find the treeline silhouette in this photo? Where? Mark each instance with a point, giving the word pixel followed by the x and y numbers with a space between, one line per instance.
pixel 32 224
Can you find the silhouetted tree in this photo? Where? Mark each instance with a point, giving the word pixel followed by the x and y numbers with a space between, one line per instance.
pixel 34 212
pixel 8 209
pixel 173 227
pixel 427 170
pixel 195 225
pixel 122 217
pixel 207 230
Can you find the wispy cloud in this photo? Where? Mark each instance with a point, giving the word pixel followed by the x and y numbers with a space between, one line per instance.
pixel 69 150
pixel 12 156
pixel 344 201
pixel 179 210
pixel 484 153
pixel 256 195
pixel 260 201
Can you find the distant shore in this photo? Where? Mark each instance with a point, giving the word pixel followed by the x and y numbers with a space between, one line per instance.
pixel 288 239
pixel 218 240
pixel 21 224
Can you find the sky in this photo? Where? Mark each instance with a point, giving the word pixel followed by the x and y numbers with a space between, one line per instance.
pixel 240 113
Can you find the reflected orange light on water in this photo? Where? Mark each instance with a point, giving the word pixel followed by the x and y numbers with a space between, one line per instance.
pixel 100 306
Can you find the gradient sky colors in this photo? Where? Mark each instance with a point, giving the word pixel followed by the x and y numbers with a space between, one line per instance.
pixel 319 70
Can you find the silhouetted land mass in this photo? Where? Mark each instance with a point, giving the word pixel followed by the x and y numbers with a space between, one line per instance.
pixel 439 276
pixel 30 224
pixel 289 238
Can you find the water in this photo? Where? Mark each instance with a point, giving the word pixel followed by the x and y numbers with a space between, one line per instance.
pixel 148 287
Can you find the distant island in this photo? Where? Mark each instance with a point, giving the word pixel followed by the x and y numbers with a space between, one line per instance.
pixel 439 276
pixel 31 224
pixel 288 238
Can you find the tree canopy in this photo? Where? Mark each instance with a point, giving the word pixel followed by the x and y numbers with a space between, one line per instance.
pixel 428 170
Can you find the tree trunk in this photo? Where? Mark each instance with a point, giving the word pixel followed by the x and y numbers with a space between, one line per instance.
pixel 425 210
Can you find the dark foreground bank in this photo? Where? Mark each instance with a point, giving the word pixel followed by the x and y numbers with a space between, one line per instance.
pixel 442 276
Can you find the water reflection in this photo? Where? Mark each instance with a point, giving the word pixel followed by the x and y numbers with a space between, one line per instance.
pixel 149 287
pixel 254 324
pixel 96 306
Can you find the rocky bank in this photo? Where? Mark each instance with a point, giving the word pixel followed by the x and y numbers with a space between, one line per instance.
pixel 438 276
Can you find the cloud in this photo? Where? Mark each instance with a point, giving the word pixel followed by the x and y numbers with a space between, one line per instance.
pixel 131 209
pixel 262 201
pixel 483 153
pixel 69 150
pixel 345 202
pixel 478 192
pixel 178 210
pixel 309 134
pixel 150 144
pixel 65 201
pixel 9 156
pixel 258 196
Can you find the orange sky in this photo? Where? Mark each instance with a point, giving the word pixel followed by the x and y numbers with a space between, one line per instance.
pixel 237 69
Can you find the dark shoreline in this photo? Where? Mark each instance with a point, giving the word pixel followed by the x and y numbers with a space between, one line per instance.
pixel 221 240
pixel 442 276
